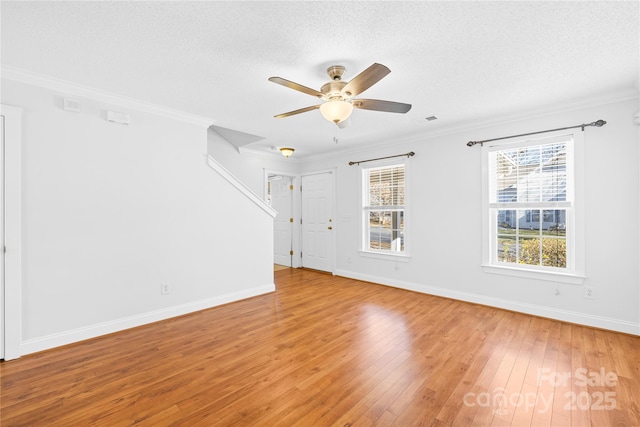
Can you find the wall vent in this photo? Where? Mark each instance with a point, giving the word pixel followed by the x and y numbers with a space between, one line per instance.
pixel 72 105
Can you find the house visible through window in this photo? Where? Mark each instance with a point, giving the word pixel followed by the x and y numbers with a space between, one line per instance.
pixel 384 208
pixel 531 204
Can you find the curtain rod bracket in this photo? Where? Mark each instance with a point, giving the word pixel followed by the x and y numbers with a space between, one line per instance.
pixel 597 123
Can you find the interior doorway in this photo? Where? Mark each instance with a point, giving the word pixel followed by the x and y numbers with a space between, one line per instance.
pixel 2 240
pixel 303 227
pixel 11 233
pixel 280 197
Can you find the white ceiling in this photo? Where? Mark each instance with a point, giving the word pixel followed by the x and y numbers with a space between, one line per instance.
pixel 464 62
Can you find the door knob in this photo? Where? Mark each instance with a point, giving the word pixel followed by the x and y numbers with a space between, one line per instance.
pixel 330 228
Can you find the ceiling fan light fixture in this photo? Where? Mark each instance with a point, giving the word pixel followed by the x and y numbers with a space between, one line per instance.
pixel 337 94
pixel 286 151
pixel 336 110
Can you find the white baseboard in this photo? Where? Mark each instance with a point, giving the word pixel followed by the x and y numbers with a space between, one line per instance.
pixel 93 331
pixel 536 310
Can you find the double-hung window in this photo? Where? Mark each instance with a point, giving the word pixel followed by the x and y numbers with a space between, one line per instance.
pixel 383 211
pixel 530 202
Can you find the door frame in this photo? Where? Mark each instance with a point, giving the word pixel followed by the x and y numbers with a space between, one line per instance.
pixel 333 173
pixel 295 210
pixel 12 274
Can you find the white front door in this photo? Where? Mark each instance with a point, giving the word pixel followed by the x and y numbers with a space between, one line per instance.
pixel 317 222
pixel 281 192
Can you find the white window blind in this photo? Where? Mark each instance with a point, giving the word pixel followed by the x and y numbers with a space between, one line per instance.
pixel 531 204
pixel 384 208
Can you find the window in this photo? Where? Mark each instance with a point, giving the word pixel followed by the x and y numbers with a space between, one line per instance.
pixel 530 202
pixel 384 209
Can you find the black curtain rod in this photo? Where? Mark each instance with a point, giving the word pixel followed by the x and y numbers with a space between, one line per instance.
pixel 598 123
pixel 409 154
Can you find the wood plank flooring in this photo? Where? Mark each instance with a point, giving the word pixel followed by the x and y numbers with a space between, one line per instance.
pixel 330 351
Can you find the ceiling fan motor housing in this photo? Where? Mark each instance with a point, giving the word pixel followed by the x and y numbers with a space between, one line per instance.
pixel 332 89
pixel 336 72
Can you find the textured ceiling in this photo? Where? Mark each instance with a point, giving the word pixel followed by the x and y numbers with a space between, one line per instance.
pixel 464 62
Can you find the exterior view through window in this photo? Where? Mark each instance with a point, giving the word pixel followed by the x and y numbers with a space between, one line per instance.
pixel 531 202
pixel 383 208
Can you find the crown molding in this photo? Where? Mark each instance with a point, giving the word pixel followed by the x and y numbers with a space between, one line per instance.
pixel 70 88
pixel 581 104
pixel 421 136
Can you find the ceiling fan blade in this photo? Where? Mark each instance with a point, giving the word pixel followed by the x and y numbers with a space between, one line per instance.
pixel 379 105
pixel 365 79
pixel 295 86
pixel 294 112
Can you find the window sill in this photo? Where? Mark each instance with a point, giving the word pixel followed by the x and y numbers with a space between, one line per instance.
pixel 571 279
pixel 386 256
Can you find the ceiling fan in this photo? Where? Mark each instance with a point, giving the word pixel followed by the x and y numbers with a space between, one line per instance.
pixel 337 95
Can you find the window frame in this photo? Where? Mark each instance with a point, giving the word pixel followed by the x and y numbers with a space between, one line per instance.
pixel 365 250
pixel 575 271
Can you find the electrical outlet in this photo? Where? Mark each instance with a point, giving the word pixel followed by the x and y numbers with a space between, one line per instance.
pixel 165 289
pixel 590 292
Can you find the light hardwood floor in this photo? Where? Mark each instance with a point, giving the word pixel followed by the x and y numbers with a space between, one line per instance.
pixel 329 351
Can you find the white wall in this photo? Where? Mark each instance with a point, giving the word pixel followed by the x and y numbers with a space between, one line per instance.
pixel 445 230
pixel 110 212
pixel 250 167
